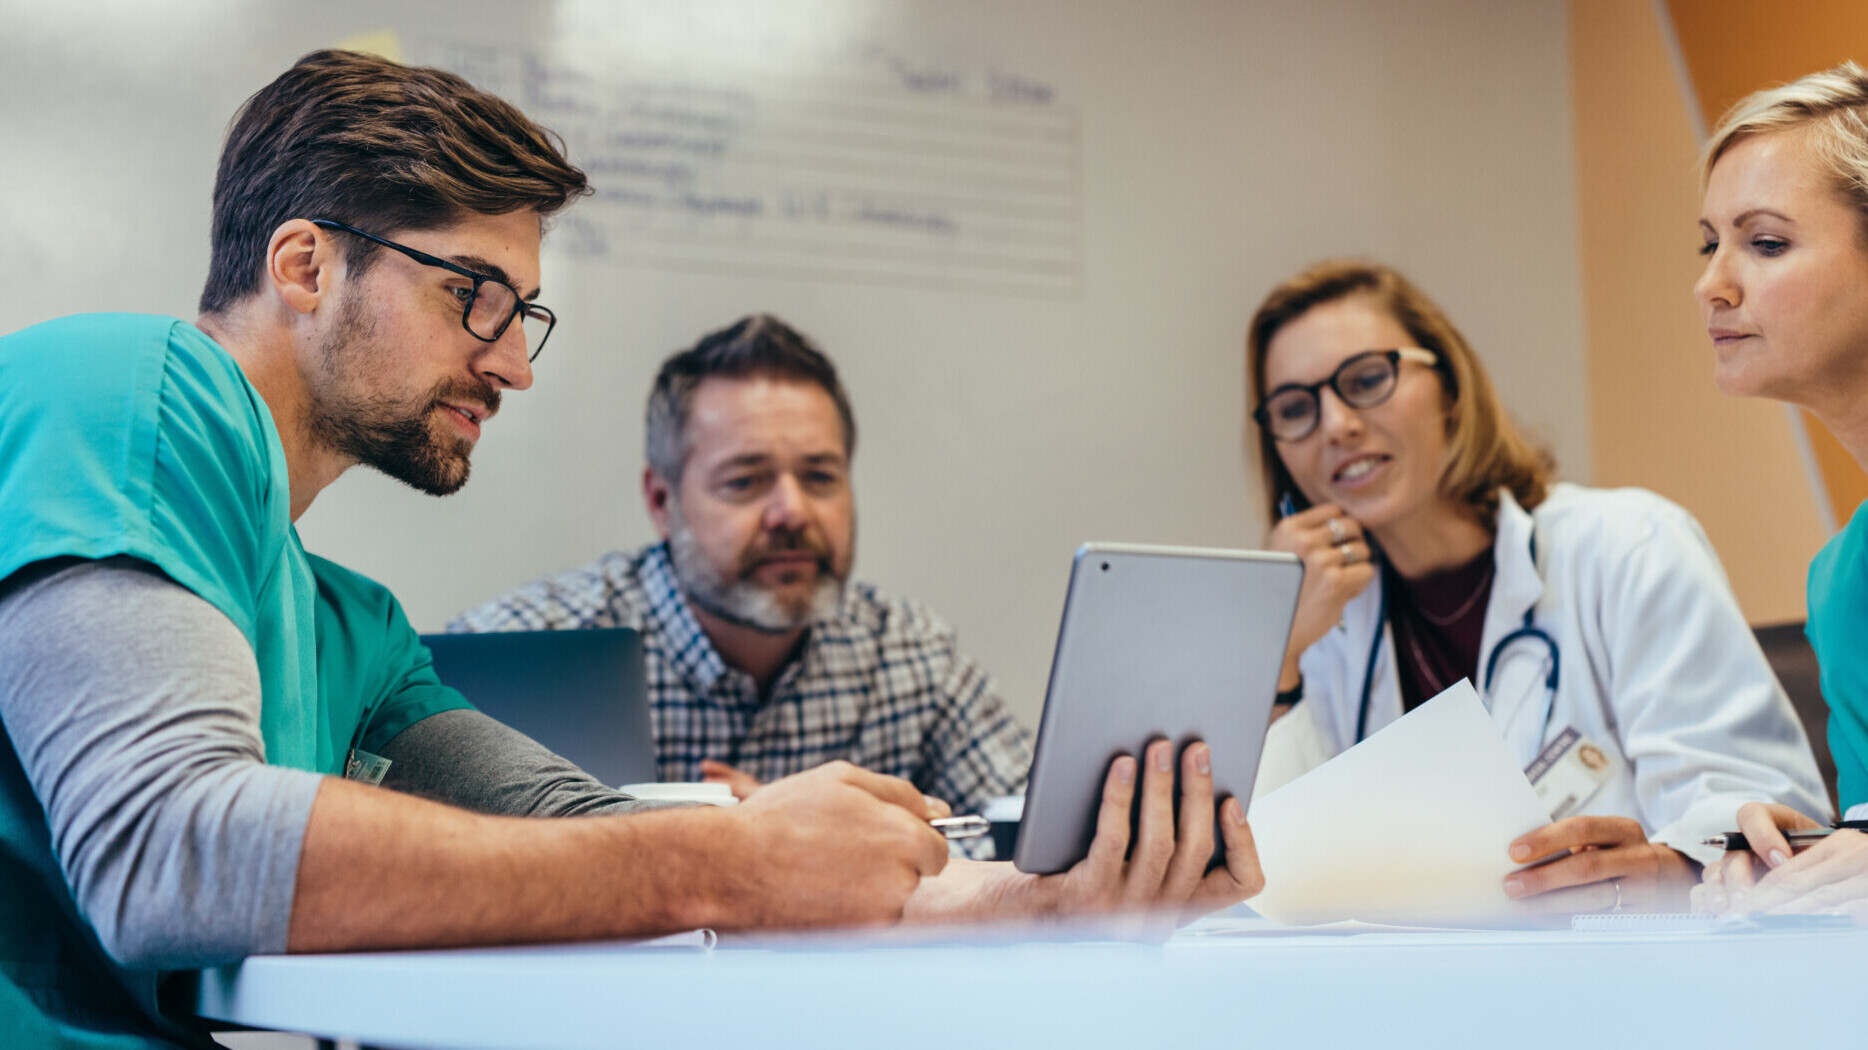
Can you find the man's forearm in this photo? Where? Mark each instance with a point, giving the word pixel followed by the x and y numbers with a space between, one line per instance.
pixel 836 845
pixel 381 870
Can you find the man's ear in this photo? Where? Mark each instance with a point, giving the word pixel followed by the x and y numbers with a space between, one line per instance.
pixel 301 265
pixel 657 494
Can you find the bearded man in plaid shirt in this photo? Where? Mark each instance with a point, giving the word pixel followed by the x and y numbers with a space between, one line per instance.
pixel 763 659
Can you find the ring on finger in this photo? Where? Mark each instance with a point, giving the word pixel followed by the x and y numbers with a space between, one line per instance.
pixel 1338 534
pixel 1350 555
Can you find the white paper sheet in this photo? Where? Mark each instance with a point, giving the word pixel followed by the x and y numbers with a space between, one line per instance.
pixel 1409 828
pixel 706 794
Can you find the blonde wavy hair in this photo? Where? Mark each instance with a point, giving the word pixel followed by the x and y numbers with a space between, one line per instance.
pixel 1484 451
pixel 1830 106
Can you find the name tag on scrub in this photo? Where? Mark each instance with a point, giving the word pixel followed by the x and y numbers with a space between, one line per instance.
pixel 1569 772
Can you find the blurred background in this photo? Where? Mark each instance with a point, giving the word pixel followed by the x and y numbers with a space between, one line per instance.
pixel 1030 233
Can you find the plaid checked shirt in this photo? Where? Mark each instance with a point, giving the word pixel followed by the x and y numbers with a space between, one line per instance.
pixel 881 685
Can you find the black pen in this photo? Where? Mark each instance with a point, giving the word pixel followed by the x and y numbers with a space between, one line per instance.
pixel 1735 840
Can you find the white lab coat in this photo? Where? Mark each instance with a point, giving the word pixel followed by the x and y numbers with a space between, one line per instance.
pixel 1658 667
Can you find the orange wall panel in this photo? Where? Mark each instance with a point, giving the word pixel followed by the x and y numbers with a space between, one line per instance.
pixel 1735 47
pixel 1656 418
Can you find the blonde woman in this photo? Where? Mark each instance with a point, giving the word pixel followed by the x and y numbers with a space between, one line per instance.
pixel 1437 548
pixel 1784 226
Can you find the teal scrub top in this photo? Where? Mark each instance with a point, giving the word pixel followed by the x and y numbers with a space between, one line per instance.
pixel 131 435
pixel 1838 598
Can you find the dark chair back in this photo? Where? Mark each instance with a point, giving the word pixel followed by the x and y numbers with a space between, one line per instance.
pixel 1789 652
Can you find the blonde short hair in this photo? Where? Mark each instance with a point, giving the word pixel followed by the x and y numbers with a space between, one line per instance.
pixel 1484 450
pixel 1832 106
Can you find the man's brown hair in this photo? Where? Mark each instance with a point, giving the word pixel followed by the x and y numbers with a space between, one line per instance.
pixel 1484 450
pixel 377 145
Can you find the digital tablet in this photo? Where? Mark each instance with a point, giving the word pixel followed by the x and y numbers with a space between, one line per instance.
pixel 1171 642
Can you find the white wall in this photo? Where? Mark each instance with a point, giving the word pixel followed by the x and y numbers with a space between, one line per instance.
pixel 1222 146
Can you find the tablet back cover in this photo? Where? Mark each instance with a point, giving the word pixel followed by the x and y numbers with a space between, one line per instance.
pixel 1180 643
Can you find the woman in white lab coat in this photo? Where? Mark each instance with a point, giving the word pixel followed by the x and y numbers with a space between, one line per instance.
pixel 1785 230
pixel 1597 625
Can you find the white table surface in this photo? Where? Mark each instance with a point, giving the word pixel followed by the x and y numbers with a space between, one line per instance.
pixel 1206 987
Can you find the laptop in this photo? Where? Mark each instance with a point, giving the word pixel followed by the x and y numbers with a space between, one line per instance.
pixel 583 694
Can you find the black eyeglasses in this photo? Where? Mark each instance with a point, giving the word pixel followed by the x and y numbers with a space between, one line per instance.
pixel 489 309
pixel 1292 412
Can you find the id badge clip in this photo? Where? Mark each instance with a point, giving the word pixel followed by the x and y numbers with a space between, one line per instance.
pixel 365 768
pixel 1569 772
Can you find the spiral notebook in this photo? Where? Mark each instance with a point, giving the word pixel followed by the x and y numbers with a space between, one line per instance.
pixel 1702 922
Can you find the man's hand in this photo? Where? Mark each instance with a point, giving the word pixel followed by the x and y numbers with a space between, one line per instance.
pixel 743 784
pixel 740 782
pixel 836 845
pixel 1159 879
pixel 1611 867
pixel 1165 869
pixel 1831 876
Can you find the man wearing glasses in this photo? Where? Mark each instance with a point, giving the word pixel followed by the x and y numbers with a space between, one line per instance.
pixel 197 711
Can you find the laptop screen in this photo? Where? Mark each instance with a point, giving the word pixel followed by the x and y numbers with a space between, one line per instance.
pixel 583 694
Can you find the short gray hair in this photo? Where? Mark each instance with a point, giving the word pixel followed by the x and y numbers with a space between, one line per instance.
pixel 757 346
pixel 1832 104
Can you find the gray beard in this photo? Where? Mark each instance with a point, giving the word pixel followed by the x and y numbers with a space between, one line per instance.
pixel 742 602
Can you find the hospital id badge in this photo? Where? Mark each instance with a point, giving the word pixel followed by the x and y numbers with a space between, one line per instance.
pixel 1569 772
pixel 365 768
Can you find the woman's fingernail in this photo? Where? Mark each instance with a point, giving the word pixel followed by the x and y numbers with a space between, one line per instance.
pixel 1777 857
pixel 1519 851
pixel 1203 759
pixel 1164 758
pixel 1514 888
pixel 1125 769
pixel 1235 812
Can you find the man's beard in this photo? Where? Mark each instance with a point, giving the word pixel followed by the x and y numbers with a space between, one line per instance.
pixel 384 433
pixel 740 600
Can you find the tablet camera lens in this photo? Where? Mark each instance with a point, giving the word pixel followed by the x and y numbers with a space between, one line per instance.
pixel 1105 566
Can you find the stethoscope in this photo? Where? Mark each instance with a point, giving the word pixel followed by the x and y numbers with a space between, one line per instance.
pixel 1526 631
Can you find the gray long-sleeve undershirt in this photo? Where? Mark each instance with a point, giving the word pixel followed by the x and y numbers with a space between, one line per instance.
pixel 466 759
pixel 134 707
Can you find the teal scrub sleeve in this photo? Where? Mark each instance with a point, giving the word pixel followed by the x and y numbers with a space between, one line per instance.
pixel 376 673
pixel 1846 734
pixel 1838 602
pixel 134 435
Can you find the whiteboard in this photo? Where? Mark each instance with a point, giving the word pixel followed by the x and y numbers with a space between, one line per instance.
pixel 1030 233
